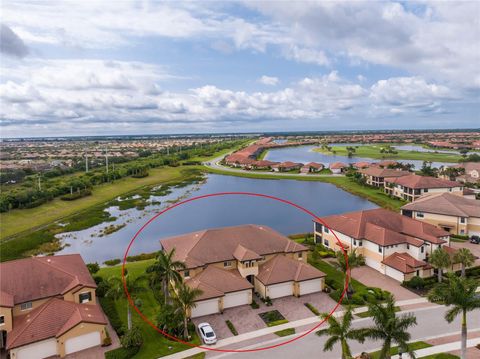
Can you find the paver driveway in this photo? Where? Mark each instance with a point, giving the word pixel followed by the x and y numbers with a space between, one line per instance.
pixel 475 248
pixel 373 278
pixel 245 319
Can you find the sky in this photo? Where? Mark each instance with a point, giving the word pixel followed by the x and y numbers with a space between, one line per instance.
pixel 150 67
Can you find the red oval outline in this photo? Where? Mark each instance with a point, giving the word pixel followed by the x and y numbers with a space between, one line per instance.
pixel 217 194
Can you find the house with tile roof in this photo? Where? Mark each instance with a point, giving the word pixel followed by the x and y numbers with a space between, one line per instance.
pixel 48 307
pixel 393 244
pixel 413 186
pixel 227 264
pixel 454 214
pixel 375 176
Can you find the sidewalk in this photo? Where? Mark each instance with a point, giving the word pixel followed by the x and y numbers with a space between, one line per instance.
pixel 270 330
pixel 444 348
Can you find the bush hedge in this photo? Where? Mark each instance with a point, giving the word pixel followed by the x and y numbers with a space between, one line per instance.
pixel 108 306
pixel 122 353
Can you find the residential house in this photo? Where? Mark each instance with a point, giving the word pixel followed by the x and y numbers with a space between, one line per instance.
pixel 454 214
pixel 48 307
pixel 411 187
pixel 395 245
pixel 472 173
pixel 360 165
pixel 286 166
pixel 375 176
pixel 228 263
pixel 263 164
pixel 338 167
pixel 312 167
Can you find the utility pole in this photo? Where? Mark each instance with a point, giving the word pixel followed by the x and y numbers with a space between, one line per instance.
pixel 106 159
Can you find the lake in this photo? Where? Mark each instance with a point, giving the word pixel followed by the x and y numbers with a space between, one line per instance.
pixel 321 198
pixel 423 149
pixel 306 154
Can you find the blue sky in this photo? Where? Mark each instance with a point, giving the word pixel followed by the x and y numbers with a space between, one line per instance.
pixel 132 67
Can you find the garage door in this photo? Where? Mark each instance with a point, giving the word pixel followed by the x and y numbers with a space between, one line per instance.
pixel 395 274
pixel 373 263
pixel 82 342
pixel 43 349
pixel 280 290
pixel 310 286
pixel 205 307
pixel 236 298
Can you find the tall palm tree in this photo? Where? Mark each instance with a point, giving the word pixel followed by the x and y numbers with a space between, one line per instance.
pixel 185 301
pixel 389 327
pixel 165 270
pixel 354 260
pixel 440 259
pixel 465 257
pixel 116 290
pixel 339 330
pixel 459 293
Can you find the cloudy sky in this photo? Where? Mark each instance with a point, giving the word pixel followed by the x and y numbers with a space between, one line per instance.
pixel 133 67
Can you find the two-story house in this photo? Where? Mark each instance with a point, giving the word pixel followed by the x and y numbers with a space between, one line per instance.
pixel 48 307
pixel 455 214
pixel 412 187
pixel 375 176
pixel 226 264
pixel 395 245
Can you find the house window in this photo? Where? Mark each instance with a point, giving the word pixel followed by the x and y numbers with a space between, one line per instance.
pixel 380 249
pixel 227 263
pixel 300 255
pixel 26 306
pixel 462 231
pixel 354 242
pixel 85 297
pixel 422 249
pixel 318 227
pixel 408 246
pixel 186 273
pixel 418 273
pixel 425 190
pixel 420 215
pixel 325 241
pixel 360 243
pixel 462 219
pixel 318 238
pixel 2 320
pixel 325 230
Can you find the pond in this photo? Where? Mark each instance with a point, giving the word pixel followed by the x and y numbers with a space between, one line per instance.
pixel 423 149
pixel 306 154
pixel 321 198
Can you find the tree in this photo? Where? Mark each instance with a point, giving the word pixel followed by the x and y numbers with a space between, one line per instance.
pixel 427 169
pixel 459 293
pixel 93 267
pixel 185 301
pixel 465 257
pixel 165 270
pixel 440 259
pixel 117 290
pixel 132 338
pixel 354 260
pixel 339 331
pixel 390 328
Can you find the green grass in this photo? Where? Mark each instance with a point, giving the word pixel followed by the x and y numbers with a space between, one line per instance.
pixel 197 356
pixel 441 356
pixel 312 308
pixel 394 351
pixel 277 322
pixel 285 332
pixel 154 343
pixel 367 313
pixel 231 327
pixel 373 151
pixel 374 195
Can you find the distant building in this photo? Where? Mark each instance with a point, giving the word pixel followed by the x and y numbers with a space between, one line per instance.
pixel 338 167
pixel 375 176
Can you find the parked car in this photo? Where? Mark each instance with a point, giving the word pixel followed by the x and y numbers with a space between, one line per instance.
pixel 475 239
pixel 207 334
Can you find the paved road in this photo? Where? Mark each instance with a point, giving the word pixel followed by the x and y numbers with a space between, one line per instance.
pixel 430 321
pixel 215 165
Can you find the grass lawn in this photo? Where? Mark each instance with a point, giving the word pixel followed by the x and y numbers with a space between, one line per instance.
pixel 285 332
pixel 374 195
pixel 367 313
pixel 154 343
pixel 394 351
pixel 441 356
pixel 373 151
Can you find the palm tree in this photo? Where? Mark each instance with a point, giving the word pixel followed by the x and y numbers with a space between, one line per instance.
pixel 354 260
pixel 165 270
pixel 440 259
pixel 459 293
pixel 117 290
pixel 389 327
pixel 185 301
pixel 465 257
pixel 340 331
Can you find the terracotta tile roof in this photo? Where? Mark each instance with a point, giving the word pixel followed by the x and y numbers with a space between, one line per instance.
pixel 384 227
pixel 215 282
pixel 282 269
pixel 404 263
pixel 415 181
pixel 386 163
pixel 361 164
pixel 338 165
pixel 218 245
pixel 42 277
pixel 447 204
pixel 383 172
pixel 52 319
pixel 6 299
pixel 264 163
pixel 314 165
pixel 244 254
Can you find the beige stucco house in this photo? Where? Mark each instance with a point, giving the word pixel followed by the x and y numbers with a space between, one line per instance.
pixel 48 307
pixel 454 214
pixel 228 263
pixel 375 175
pixel 395 245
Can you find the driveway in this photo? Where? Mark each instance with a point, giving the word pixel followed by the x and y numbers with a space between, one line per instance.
pixel 245 319
pixel 475 248
pixel 373 278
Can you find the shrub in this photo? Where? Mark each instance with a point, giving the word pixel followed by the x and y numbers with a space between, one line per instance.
pixel 132 338
pixel 254 305
pixel 231 327
pixel 108 340
pixel 170 320
pixel 141 257
pixel 93 267
pixel 112 262
pixel 122 353
pixel 356 299
pixel 108 307
pixel 76 195
pixel 415 282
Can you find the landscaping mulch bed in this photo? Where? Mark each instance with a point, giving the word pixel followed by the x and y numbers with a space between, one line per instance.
pixel 271 316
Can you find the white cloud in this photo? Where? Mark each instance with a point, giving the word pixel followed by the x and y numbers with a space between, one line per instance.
pixel 307 55
pixel 269 80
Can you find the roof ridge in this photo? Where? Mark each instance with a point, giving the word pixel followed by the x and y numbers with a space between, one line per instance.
pixel 54 266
